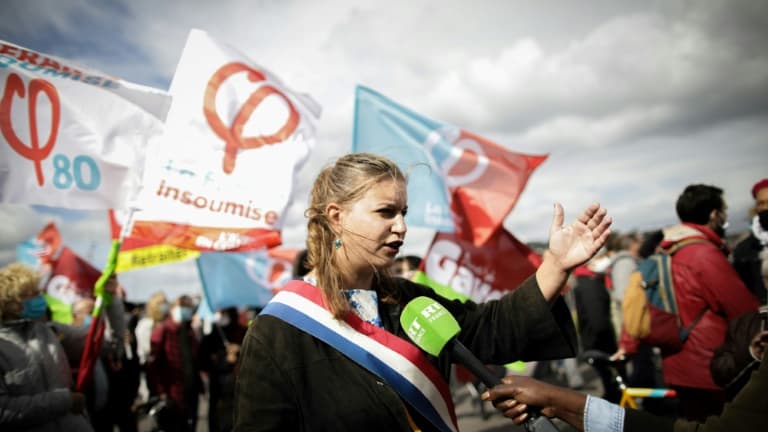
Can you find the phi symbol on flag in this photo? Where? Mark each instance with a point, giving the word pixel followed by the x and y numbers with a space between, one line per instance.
pixel 461 159
pixel 34 152
pixel 233 135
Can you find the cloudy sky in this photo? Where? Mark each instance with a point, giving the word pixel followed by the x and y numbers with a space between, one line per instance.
pixel 632 100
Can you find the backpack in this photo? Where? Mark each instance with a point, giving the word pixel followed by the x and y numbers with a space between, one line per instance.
pixel 649 309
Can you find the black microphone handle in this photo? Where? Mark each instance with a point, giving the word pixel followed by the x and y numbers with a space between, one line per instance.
pixel 463 356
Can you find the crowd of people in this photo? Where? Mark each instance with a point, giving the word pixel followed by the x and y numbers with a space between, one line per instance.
pixel 330 352
pixel 156 359
pixel 717 374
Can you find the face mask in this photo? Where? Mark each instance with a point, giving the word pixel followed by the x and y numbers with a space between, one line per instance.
pixel 763 218
pixel 87 321
pixel 181 313
pixel 34 308
pixel 720 228
pixel 163 309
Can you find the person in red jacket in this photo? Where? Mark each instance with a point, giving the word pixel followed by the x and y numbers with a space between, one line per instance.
pixel 706 286
pixel 174 368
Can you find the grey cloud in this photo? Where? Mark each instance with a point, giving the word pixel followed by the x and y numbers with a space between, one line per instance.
pixel 639 182
pixel 17 223
pixel 633 99
pixel 641 63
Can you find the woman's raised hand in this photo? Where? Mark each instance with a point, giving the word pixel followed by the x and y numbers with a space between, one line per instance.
pixel 574 244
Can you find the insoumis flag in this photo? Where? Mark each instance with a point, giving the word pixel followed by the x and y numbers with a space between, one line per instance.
pixel 456 269
pixel 456 180
pixel 138 253
pixel 223 174
pixel 238 279
pixel 69 136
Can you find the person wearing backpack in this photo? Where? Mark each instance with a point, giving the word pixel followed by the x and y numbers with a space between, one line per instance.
pixel 623 264
pixel 708 294
pixel 645 363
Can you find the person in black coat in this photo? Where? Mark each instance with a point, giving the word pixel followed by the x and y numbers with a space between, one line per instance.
pixel 750 256
pixel 219 351
pixel 288 379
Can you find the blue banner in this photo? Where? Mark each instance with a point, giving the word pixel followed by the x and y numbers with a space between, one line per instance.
pixel 28 252
pixel 416 144
pixel 235 279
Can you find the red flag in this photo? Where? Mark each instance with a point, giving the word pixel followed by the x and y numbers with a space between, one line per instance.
pixel 72 278
pixel 485 182
pixel 280 268
pixel 50 240
pixel 90 352
pixel 96 330
pixel 41 250
pixel 456 268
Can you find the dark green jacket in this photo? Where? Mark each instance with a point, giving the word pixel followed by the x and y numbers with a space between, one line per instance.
pixel 289 381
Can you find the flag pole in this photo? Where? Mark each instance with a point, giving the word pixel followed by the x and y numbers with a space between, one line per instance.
pixel 103 299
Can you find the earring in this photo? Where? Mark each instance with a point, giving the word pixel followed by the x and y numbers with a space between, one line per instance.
pixel 337 244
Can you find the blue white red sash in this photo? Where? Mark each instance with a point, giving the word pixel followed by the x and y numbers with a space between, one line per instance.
pixel 398 362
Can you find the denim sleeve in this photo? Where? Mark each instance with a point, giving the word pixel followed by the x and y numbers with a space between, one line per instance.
pixel 602 416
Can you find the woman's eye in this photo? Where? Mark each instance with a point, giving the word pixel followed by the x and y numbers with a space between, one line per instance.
pixel 392 212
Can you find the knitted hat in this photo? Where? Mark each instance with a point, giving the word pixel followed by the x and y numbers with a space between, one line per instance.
pixel 759 185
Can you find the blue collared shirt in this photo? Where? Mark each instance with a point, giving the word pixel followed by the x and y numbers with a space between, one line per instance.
pixel 602 416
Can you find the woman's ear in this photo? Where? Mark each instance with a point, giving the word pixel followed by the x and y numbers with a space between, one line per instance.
pixel 334 214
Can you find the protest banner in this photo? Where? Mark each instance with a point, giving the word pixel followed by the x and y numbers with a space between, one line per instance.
pixel 457 180
pixel 456 269
pixel 71 136
pixel 223 173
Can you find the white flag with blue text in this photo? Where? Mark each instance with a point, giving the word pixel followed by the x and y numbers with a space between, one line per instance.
pixel 72 136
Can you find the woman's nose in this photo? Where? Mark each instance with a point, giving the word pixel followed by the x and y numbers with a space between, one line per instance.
pixel 399 225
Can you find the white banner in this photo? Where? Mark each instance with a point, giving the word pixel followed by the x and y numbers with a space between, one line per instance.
pixel 71 137
pixel 223 173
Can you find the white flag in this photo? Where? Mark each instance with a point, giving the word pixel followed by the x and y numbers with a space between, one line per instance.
pixel 71 137
pixel 222 175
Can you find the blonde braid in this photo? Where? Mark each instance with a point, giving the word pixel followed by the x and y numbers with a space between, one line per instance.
pixel 342 183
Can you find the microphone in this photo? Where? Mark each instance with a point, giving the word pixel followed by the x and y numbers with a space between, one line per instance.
pixel 432 328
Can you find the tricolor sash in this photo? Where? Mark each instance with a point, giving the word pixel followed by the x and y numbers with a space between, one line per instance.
pixel 398 362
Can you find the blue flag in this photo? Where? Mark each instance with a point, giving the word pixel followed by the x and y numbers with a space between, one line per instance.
pixel 458 181
pixel 28 252
pixel 235 279
pixel 415 143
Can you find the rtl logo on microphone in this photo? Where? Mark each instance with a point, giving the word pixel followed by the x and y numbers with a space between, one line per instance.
pixel 433 312
pixel 415 331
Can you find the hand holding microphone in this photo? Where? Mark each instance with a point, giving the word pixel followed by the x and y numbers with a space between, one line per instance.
pixel 433 329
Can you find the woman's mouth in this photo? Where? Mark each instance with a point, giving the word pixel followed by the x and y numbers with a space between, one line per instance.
pixel 393 248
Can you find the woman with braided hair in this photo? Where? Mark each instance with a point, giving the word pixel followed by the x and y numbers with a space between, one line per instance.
pixel 328 352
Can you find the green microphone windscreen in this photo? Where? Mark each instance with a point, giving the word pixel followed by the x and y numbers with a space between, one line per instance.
pixel 429 325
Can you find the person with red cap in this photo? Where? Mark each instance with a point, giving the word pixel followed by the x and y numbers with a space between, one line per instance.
pixel 750 257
